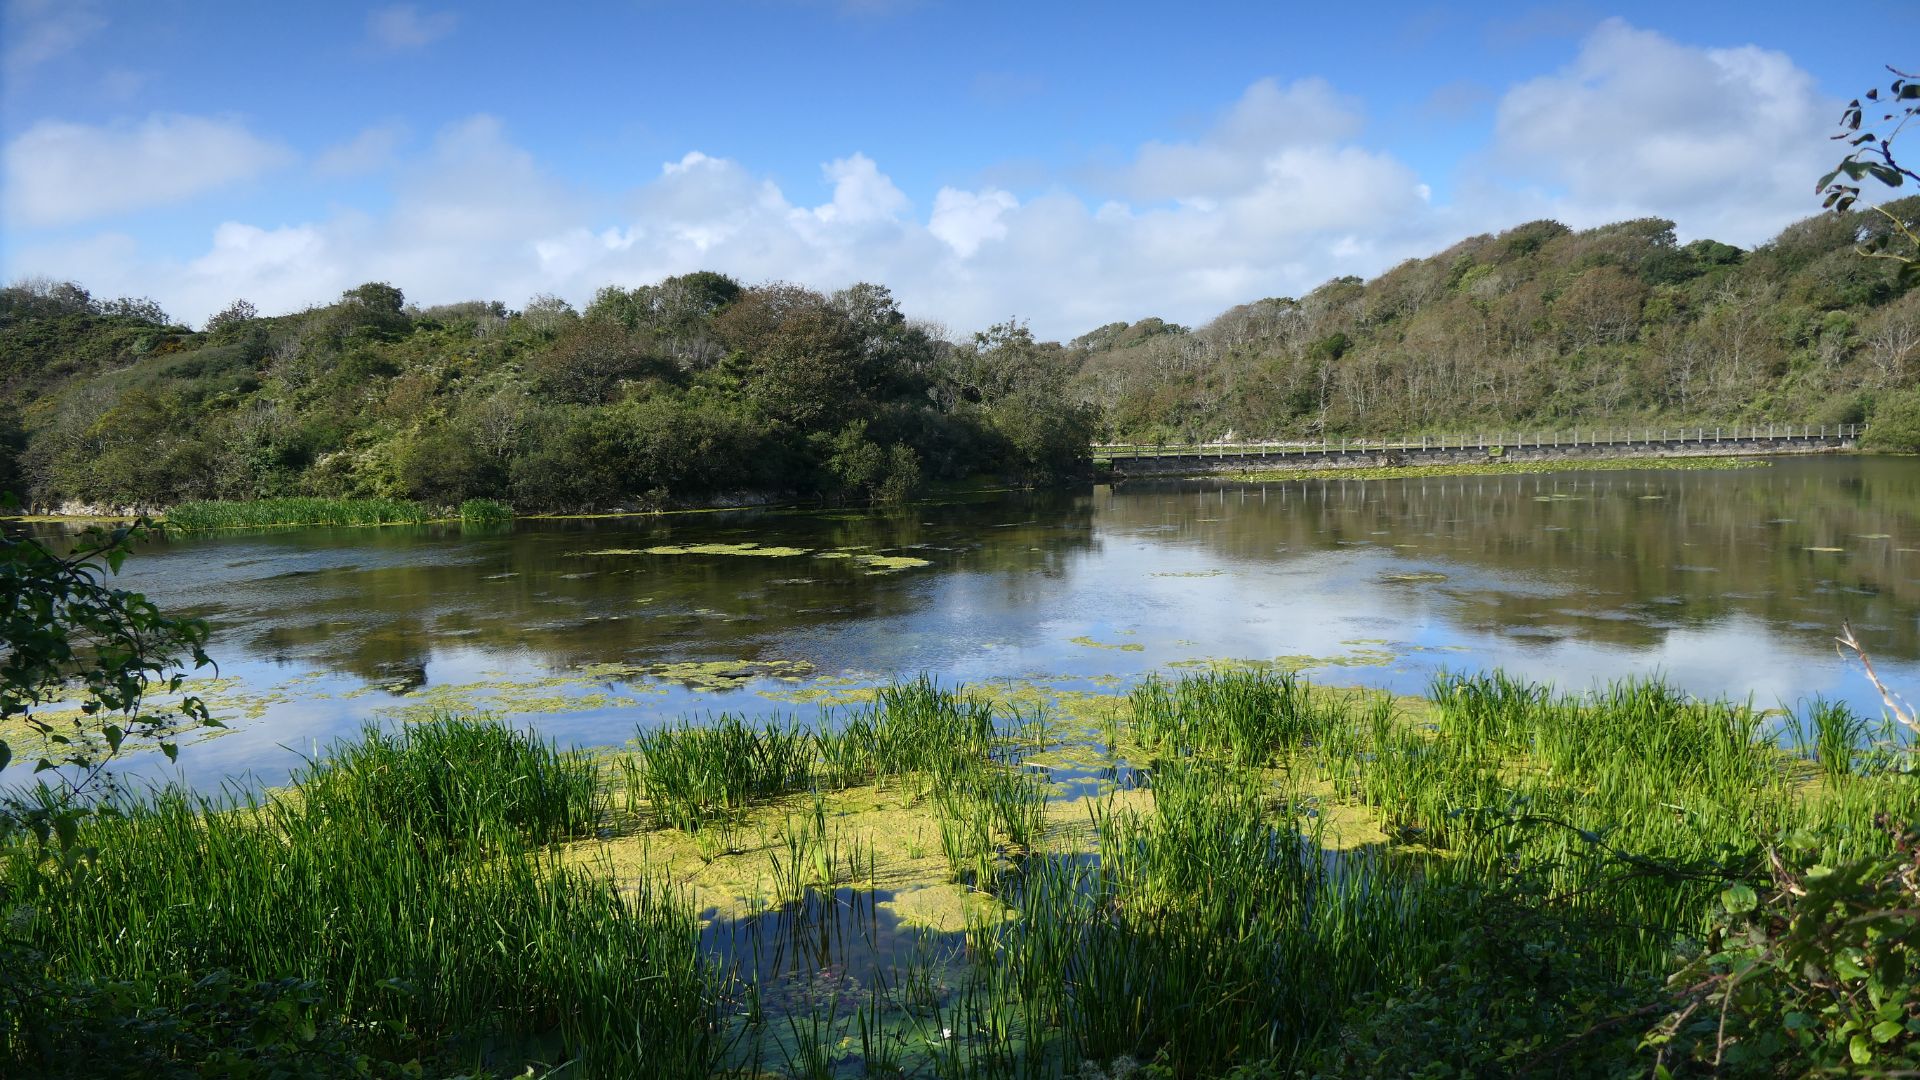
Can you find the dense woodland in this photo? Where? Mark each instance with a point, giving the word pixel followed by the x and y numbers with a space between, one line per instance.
pixel 698 388
pixel 692 389
pixel 1541 326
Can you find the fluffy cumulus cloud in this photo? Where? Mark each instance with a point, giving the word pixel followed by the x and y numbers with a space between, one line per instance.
pixel 1726 142
pixel 1278 194
pixel 60 173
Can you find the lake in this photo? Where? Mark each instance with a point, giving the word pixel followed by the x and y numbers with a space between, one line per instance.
pixel 1728 582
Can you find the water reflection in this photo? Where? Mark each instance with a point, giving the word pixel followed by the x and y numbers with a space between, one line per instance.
pixel 1730 583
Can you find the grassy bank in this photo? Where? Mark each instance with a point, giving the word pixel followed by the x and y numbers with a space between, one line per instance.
pixel 1230 870
pixel 1491 467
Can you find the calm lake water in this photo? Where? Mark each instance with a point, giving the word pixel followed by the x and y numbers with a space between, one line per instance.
pixel 1727 582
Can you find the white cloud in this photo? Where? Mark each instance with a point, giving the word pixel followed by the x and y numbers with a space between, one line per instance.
pixel 370 151
pixel 40 30
pixel 1727 142
pixel 861 195
pixel 1267 119
pixel 967 219
pixel 58 173
pixel 1274 197
pixel 405 26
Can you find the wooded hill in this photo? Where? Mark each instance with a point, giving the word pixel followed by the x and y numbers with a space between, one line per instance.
pixel 698 388
pixel 1540 326
pixel 692 389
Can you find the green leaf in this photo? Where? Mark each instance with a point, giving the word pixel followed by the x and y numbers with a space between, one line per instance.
pixel 1859 1049
pixel 171 750
pixel 1886 1030
pixel 6 753
pixel 1739 899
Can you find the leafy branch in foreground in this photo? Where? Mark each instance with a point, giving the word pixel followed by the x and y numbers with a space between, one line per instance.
pixel 83 664
pixel 1873 159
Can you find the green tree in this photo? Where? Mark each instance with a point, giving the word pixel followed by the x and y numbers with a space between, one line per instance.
pixel 1870 125
pixel 83 662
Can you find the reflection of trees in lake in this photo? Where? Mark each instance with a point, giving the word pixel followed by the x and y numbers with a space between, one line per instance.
pixel 1616 557
pixel 380 603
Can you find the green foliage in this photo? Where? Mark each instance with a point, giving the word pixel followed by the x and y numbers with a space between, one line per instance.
pixel 485 511
pixel 1820 974
pixel 388 910
pixel 1895 423
pixel 197 516
pixel 83 664
pixel 683 391
pixel 1539 328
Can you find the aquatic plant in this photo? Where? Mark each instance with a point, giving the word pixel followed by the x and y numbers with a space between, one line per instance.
pixel 429 951
pixel 485 511
pixel 203 515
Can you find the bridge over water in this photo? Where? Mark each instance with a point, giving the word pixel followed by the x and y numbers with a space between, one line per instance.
pixel 1515 445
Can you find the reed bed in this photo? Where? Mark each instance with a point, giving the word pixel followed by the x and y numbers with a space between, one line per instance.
pixel 473 956
pixel 257 513
pixel 1547 858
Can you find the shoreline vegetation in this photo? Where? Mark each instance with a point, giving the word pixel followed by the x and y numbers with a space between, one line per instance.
pixel 1230 870
pixel 212 515
pixel 699 386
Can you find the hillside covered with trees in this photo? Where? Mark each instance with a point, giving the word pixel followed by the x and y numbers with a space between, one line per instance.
pixel 1543 326
pixel 698 388
pixel 692 389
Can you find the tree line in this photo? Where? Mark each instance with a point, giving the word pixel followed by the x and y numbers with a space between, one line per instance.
pixel 698 387
pixel 1540 325
pixel 690 389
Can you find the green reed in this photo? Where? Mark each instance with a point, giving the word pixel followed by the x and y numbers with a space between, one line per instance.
pixel 690 774
pixel 1212 930
pixel 297 510
pixel 441 951
pixel 1250 715
pixel 485 511
pixel 1831 734
pixel 455 782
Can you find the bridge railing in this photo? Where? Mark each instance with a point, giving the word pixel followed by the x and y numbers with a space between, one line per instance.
pixel 1487 440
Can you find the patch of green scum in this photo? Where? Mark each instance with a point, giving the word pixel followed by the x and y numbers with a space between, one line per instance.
pixel 1187 573
pixel 727 868
pixel 1281 664
pixel 1412 577
pixel 1118 646
pixel 826 690
pixel 714 674
pixel 875 564
pixel 888 564
pixel 604 551
pixel 748 548
pixel 1491 468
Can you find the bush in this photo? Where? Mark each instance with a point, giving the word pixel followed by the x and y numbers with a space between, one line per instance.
pixel 1896 423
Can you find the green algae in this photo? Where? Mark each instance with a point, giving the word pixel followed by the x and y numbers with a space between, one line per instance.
pixel 748 548
pixel 1119 646
pixel 1412 577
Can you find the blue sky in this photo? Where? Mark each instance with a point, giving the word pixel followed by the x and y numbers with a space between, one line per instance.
pixel 1066 164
